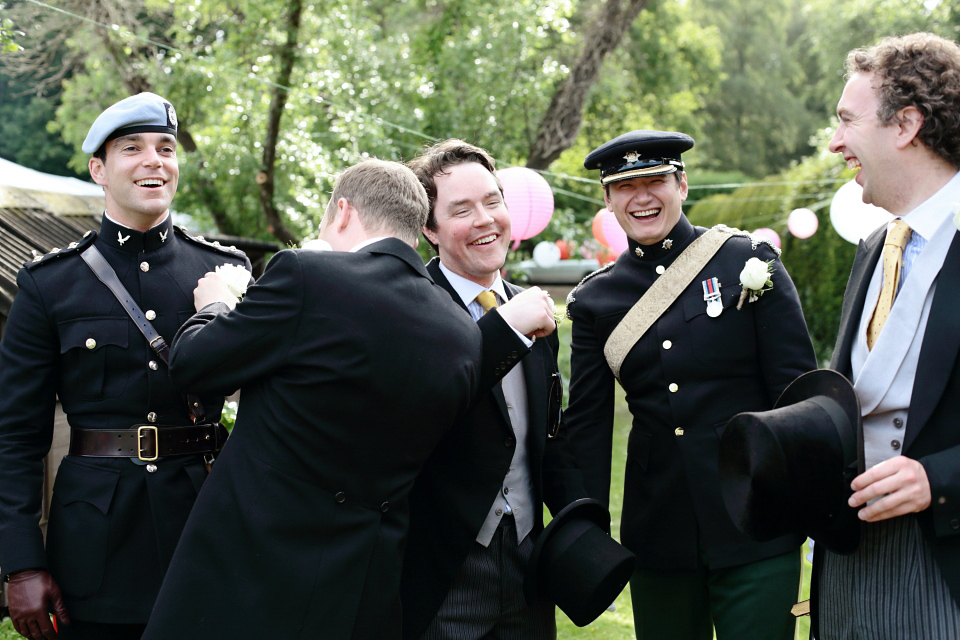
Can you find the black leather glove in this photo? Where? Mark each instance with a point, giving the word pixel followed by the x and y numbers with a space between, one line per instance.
pixel 31 595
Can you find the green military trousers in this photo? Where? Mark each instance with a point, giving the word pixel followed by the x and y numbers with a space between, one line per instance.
pixel 747 602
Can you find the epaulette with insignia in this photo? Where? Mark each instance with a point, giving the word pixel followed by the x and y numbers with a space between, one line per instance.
pixel 570 296
pixel 216 246
pixel 72 248
pixel 755 240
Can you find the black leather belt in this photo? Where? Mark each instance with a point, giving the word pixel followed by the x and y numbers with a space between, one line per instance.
pixel 147 442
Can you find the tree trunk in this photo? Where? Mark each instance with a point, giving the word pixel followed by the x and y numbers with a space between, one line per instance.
pixel 288 56
pixel 561 123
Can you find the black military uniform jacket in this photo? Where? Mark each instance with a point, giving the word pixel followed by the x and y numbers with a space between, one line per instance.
pixel 684 379
pixel 113 523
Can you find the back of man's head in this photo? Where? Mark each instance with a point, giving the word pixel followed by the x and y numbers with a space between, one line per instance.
pixel 919 70
pixel 387 195
pixel 435 160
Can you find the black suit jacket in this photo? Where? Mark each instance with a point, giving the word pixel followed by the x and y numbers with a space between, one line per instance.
pixel 113 524
pixel 933 426
pixel 684 379
pixel 452 496
pixel 351 367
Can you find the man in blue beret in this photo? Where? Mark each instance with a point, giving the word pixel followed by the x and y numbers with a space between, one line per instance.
pixel 697 325
pixel 137 450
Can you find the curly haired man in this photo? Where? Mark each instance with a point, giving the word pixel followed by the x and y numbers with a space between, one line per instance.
pixel 899 342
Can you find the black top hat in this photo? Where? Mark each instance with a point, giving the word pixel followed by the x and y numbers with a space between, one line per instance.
pixel 788 470
pixel 639 154
pixel 576 564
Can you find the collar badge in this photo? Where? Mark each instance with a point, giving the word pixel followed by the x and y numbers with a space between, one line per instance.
pixel 121 239
pixel 667 243
pixel 163 236
pixel 639 252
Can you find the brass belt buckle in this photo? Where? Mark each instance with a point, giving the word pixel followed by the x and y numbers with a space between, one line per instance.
pixel 156 442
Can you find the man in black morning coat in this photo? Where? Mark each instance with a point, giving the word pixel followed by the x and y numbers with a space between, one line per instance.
pixel 478 505
pixel 900 129
pixel 691 371
pixel 352 365
pixel 114 519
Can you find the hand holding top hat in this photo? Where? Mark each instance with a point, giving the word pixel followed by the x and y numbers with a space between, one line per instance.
pixel 788 470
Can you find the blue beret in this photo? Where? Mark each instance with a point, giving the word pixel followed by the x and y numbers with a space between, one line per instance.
pixel 137 114
pixel 639 154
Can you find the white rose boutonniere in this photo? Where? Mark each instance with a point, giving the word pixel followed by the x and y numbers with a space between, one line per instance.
pixel 236 278
pixel 756 278
pixel 956 215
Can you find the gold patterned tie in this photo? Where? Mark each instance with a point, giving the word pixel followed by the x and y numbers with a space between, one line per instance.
pixel 487 300
pixel 898 234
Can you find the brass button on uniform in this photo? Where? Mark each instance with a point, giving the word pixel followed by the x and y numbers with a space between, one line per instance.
pixel 499 512
pixel 897 422
pixel 91 343
pixel 678 431
pixel 385 507
pixel 895 444
pixel 152 364
pixel 667 344
pixel 506 490
pixel 151 468
pixel 942 500
pixel 151 417
pixel 151 314
pixel 340 497
pixel 144 266
pixel 674 387
pixel 660 269
pixel 508 442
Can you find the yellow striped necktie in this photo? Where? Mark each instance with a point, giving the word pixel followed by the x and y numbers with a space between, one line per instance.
pixel 898 235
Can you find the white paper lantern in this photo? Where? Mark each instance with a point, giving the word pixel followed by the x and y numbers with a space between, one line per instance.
pixel 852 218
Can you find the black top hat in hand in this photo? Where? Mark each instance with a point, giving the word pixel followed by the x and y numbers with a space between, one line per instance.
pixel 576 564
pixel 788 470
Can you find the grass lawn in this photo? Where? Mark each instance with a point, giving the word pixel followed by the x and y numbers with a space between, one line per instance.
pixel 616 625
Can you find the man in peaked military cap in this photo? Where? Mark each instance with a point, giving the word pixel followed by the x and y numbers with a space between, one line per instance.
pixel 136 458
pixel 699 348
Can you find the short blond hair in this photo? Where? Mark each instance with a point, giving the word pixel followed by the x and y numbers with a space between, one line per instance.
pixel 387 196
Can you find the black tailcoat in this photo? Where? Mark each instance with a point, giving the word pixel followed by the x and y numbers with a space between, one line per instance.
pixel 684 379
pixel 351 367
pixel 113 524
pixel 452 496
pixel 933 426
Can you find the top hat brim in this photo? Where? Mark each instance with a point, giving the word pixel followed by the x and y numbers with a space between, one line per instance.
pixel 834 385
pixel 587 508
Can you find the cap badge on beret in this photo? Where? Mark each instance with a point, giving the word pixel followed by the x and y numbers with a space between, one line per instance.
pixel 172 115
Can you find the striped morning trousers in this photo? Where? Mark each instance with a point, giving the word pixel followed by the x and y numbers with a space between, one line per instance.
pixel 486 599
pixel 890 589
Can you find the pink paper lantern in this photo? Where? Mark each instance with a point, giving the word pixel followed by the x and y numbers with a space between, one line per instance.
pixel 802 223
pixel 529 200
pixel 597 227
pixel 613 233
pixel 769 234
